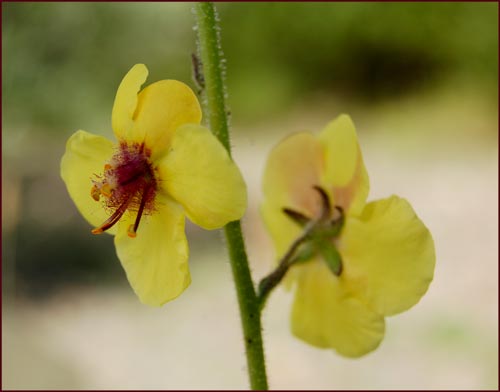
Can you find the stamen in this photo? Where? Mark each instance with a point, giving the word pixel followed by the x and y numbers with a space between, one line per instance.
pixel 113 218
pixel 132 230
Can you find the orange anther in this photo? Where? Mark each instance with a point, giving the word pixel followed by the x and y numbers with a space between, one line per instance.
pixel 95 192
pixel 107 166
pixel 106 190
pixel 131 232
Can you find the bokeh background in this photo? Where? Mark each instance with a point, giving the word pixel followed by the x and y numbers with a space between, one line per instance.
pixel 420 81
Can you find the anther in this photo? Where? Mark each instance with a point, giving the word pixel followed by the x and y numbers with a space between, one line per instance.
pixel 131 231
pixel 106 190
pixel 95 192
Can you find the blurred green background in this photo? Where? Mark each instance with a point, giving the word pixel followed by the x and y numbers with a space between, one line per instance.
pixel 420 81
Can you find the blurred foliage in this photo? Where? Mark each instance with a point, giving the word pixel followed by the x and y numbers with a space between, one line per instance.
pixel 369 50
pixel 63 60
pixel 62 63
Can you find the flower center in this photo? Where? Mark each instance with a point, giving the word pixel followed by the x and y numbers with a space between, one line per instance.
pixel 128 183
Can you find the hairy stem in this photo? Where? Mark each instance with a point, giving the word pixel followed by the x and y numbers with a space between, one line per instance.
pixel 213 74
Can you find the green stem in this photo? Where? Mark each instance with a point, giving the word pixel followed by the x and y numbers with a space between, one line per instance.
pixel 211 58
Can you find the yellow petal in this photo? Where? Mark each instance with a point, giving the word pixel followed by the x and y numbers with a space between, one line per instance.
pixel 126 103
pixel 391 251
pixel 156 260
pixel 292 169
pixel 326 314
pixel 198 172
pixel 85 157
pixel 163 107
pixel 344 174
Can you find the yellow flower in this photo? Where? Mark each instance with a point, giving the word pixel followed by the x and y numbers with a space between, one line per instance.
pixel 386 252
pixel 164 166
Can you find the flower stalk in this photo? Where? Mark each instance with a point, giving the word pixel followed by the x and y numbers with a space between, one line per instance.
pixel 268 283
pixel 212 65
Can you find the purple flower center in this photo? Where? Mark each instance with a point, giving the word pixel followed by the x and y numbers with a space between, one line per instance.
pixel 127 183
